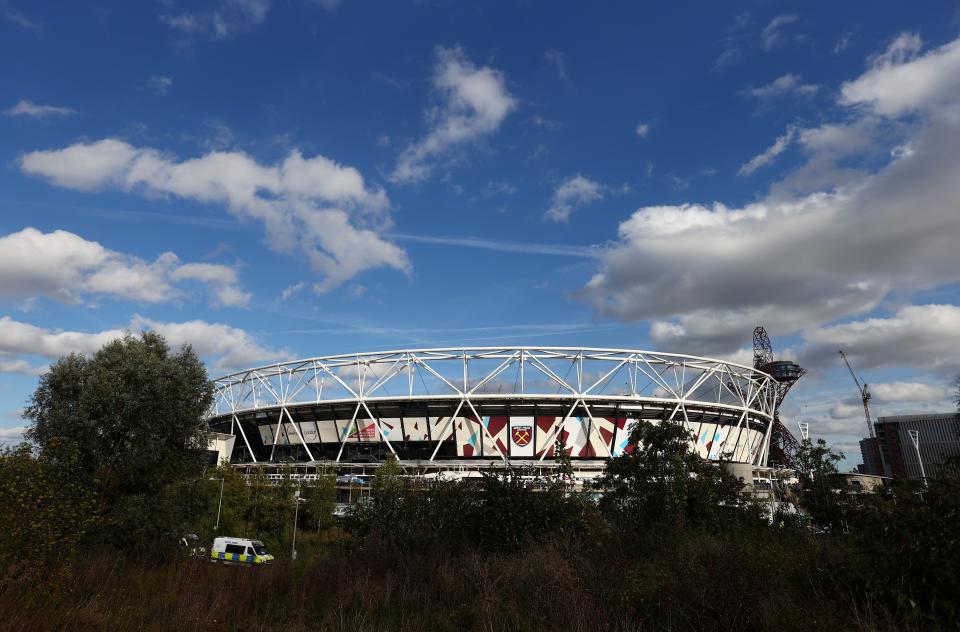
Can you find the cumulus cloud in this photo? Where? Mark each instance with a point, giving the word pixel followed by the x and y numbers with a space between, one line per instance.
pixel 68 267
pixel 313 207
pixel 707 273
pixel 219 21
pixel 908 392
pixel 222 346
pixel 770 154
pixel 473 104
pixel 570 194
pixel 783 86
pixel 642 129
pixel 25 107
pixel 900 82
pixel 222 280
pixel 12 435
pixel 921 336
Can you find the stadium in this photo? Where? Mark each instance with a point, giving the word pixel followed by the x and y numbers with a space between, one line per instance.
pixel 472 408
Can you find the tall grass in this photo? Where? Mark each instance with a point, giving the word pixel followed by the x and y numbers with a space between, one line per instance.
pixel 662 581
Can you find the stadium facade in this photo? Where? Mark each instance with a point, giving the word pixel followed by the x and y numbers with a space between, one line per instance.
pixel 477 407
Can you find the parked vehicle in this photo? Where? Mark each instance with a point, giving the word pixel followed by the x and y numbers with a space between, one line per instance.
pixel 239 551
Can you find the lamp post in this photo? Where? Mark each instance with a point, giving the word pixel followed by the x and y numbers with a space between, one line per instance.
pixel 296 511
pixel 915 439
pixel 219 504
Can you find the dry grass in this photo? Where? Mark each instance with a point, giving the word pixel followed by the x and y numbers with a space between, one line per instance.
pixel 685 582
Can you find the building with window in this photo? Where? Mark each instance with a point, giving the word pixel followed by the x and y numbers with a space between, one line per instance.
pixel 937 449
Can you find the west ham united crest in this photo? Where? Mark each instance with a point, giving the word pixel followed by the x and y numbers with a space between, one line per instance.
pixel 521 435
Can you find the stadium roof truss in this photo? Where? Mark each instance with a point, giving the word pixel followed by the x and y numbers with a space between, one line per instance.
pixel 468 376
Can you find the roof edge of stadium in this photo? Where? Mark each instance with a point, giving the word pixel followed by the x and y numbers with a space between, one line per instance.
pixel 451 351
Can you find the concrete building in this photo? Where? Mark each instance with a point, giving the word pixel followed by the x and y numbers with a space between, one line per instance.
pixel 938 438
pixel 870 453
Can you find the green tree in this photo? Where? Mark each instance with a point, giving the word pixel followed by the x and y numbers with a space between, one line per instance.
pixel 823 491
pixel 659 479
pixel 46 508
pixel 320 497
pixel 133 414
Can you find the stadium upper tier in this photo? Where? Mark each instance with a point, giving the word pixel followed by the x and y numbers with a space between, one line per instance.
pixel 489 403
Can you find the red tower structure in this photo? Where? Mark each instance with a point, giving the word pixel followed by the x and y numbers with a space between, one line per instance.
pixel 783 445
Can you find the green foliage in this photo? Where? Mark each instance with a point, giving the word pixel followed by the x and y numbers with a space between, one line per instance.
pixel 499 512
pixel 46 507
pixel 823 491
pixel 659 480
pixel 132 419
pixel 319 500
pixel 908 550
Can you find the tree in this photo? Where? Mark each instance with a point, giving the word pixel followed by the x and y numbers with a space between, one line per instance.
pixel 45 508
pixel 320 496
pixel 822 489
pixel 134 416
pixel 659 479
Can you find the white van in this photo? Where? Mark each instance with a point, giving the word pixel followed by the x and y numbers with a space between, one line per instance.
pixel 239 550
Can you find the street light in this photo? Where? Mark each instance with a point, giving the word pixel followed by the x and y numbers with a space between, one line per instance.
pixel 915 438
pixel 219 504
pixel 296 511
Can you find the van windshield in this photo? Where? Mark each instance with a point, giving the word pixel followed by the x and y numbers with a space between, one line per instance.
pixel 260 549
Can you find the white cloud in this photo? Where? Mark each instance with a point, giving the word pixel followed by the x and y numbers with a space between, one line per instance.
pixel 908 392
pixel 313 207
pixel 642 129
pixel 770 154
pixel 291 291
pixel 16 17
pixel 221 20
pixel 68 267
pixel 36 110
pixel 773 34
pixel 473 103
pixel 843 42
pixel 160 84
pixel 556 59
pixel 573 192
pixel 786 85
pixel 795 262
pixel 222 279
pixel 922 336
pixel 495 188
pixel 899 82
pixel 12 435
pixel 222 346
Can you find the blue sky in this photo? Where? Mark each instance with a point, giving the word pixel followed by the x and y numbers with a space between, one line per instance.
pixel 274 179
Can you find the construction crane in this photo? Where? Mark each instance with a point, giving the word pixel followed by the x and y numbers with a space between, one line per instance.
pixel 864 394
pixel 783 445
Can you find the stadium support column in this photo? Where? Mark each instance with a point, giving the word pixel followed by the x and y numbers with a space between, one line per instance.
pixel 557 430
pixel 296 427
pixel 376 424
pixel 343 440
pixel 493 441
pixel 444 432
pixel 244 435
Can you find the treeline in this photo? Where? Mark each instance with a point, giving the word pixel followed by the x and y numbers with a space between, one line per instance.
pixel 93 508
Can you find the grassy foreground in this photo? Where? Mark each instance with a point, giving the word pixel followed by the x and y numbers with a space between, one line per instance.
pixel 678 580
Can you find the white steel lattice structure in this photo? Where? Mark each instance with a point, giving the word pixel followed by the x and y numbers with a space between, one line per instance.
pixel 489 404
